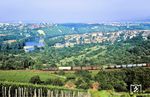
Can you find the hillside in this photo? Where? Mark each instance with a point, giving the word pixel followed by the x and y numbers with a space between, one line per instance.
pixel 38 46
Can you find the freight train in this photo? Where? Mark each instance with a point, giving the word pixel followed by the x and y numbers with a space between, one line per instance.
pixel 126 66
pixel 75 68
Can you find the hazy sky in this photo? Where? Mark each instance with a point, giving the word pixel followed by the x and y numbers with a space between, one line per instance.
pixel 63 11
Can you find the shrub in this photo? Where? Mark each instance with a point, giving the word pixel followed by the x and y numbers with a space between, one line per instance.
pixel 70 85
pixel 83 73
pixel 106 86
pixel 49 81
pixel 95 85
pixel 147 90
pixel 82 83
pixel 120 86
pixel 55 82
pixel 61 72
pixel 70 77
pixel 35 80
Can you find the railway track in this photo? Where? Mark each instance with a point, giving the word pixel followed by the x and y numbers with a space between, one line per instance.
pixel 91 68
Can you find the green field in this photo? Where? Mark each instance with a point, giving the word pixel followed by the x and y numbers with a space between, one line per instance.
pixel 25 75
pixel 22 77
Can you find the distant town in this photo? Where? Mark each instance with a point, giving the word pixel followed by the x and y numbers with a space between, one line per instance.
pixel 100 37
pixel 34 35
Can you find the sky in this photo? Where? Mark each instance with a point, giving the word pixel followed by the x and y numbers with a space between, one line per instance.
pixel 73 11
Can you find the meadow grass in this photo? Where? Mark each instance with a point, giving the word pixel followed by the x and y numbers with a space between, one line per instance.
pixel 25 75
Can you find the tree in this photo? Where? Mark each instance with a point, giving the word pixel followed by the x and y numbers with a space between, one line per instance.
pixel 111 80
pixel 83 73
pixel 35 80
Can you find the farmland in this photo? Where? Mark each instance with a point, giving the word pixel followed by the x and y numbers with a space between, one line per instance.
pixel 20 78
pixel 12 89
pixel 25 75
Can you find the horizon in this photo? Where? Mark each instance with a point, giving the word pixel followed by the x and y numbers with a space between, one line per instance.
pixel 122 22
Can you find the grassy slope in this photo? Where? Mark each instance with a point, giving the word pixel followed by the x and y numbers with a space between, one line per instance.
pixel 25 75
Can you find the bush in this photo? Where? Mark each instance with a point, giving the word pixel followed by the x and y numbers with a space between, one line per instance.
pixel 61 72
pixel 82 83
pixel 120 86
pixel 35 80
pixel 55 82
pixel 49 81
pixel 70 77
pixel 70 85
pixel 83 73
pixel 95 85
pixel 106 86
pixel 147 90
